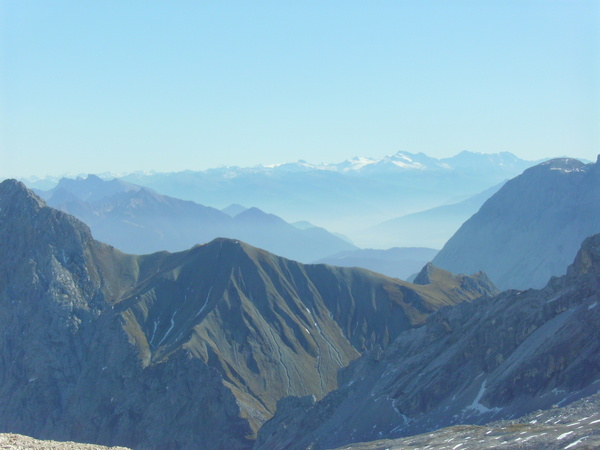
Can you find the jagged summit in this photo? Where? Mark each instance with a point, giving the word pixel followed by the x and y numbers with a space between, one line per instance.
pixel 92 188
pixel 587 260
pixel 14 193
pixel 23 213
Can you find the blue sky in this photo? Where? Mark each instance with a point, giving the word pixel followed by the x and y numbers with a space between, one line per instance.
pixel 150 85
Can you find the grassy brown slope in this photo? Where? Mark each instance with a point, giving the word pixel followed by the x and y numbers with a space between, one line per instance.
pixel 270 326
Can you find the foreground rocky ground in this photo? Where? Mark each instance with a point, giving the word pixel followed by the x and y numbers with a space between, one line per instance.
pixel 17 441
pixel 574 427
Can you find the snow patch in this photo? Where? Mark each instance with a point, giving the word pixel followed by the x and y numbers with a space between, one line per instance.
pixel 156 322
pixel 477 406
pixel 405 419
pixel 170 328
pixel 564 435
pixel 205 303
pixel 573 444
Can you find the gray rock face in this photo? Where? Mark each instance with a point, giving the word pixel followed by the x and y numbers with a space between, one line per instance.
pixel 574 426
pixel 182 350
pixel 531 228
pixel 490 359
pixel 68 369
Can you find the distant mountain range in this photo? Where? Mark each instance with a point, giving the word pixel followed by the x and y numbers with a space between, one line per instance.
pixel 345 197
pixel 179 350
pixel 531 228
pixel 225 345
pixel 139 220
pixel 490 359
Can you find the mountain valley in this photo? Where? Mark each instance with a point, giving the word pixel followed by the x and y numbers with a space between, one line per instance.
pixel 218 343
pixel 179 349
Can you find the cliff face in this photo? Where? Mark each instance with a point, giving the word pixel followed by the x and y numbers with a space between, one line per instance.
pixel 52 288
pixel 531 228
pixel 190 349
pixel 472 363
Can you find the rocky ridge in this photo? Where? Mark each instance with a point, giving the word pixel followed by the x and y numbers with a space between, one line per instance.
pixel 490 359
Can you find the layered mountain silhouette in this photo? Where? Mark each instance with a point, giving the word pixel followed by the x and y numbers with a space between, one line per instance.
pixel 531 228
pixel 490 359
pixel 139 220
pixel 170 350
pixel 431 228
pixel 395 262
pixel 347 196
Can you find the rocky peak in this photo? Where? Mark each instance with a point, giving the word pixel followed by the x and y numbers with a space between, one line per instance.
pixel 476 283
pixel 14 196
pixel 587 260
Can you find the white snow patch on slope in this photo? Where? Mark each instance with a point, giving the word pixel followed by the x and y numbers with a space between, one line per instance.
pixel 476 405
pixel 564 435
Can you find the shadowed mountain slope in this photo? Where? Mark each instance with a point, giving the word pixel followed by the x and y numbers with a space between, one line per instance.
pixel 494 358
pixel 531 228
pixel 190 349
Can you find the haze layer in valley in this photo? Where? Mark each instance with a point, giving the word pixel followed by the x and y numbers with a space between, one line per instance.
pixel 351 196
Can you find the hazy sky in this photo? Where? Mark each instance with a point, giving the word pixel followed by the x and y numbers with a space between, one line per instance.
pixel 119 86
